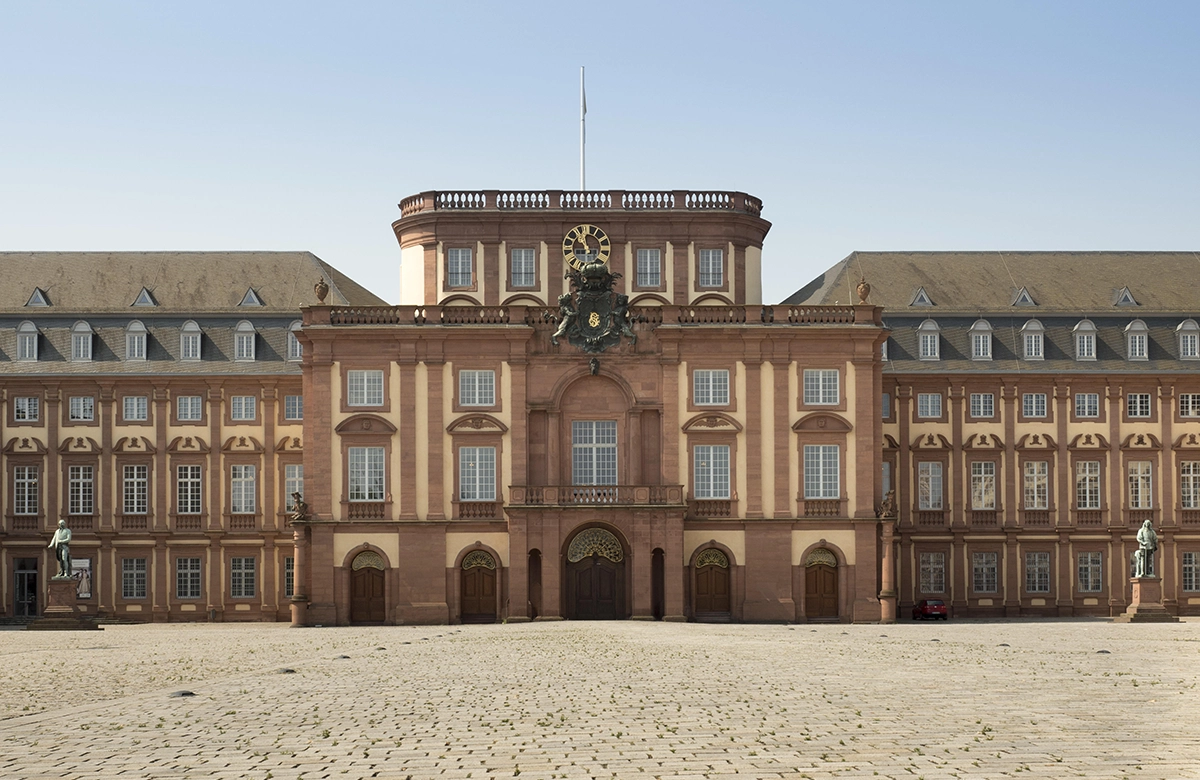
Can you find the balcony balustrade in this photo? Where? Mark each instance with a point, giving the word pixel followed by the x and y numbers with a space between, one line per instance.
pixel 825 507
pixel 26 523
pixel 243 522
pixel 189 522
pixel 606 200
pixel 930 518
pixel 1189 517
pixel 596 495
pixel 127 522
pixel 1089 518
pixel 1036 518
pixel 984 518
pixel 478 510
pixel 365 510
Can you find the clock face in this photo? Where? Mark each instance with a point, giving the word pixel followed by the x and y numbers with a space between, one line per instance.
pixel 585 244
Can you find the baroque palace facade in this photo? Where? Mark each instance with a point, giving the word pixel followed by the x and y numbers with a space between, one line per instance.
pixel 584 409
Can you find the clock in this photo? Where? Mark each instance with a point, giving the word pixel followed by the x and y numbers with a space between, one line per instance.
pixel 585 244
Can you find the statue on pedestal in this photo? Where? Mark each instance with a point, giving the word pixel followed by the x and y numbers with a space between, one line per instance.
pixel 1147 545
pixel 61 544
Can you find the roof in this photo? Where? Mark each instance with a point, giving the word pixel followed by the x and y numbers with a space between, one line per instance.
pixel 180 282
pixel 979 282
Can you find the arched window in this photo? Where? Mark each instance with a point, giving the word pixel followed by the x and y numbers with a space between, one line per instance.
pixel 244 340
pixel 295 350
pixel 1188 334
pixel 81 342
pixel 1085 340
pixel 1034 334
pixel 1137 341
pixel 189 341
pixel 981 340
pixel 929 337
pixel 135 341
pixel 27 341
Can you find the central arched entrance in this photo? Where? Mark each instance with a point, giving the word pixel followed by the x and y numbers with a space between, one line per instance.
pixel 367 603
pixel 820 585
pixel 595 576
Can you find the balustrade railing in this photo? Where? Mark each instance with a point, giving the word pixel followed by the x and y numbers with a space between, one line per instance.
pixel 712 507
pixel 593 495
pixel 26 523
pixel 830 507
pixel 1139 516
pixel 478 510
pixel 1089 517
pixel 243 522
pixel 365 510
pixel 128 522
pixel 189 522
pixel 1035 518
pixel 983 518
pixel 930 518
pixel 621 200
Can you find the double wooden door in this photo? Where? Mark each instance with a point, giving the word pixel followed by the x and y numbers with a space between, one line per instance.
pixel 595 588
pixel 712 593
pixel 820 591
pixel 479 595
pixel 367 603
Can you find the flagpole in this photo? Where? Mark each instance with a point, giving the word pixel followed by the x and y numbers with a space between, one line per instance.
pixel 582 132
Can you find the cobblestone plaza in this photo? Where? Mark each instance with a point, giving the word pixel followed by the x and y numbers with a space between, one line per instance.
pixel 1079 698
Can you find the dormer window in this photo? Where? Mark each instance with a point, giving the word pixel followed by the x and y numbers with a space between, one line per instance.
pixel 1188 334
pixel 981 340
pixel 145 299
pixel 27 341
pixel 929 337
pixel 1035 340
pixel 38 298
pixel 1137 337
pixel 135 341
pixel 295 350
pixel 1123 297
pixel 244 338
pixel 1023 298
pixel 81 342
pixel 920 298
pixel 251 298
pixel 189 341
pixel 1085 340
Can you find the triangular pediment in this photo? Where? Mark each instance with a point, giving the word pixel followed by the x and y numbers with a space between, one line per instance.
pixel 145 298
pixel 1023 298
pixel 921 298
pixel 38 298
pixel 251 298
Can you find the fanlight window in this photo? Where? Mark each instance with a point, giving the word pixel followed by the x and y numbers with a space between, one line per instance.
pixel 595 541
pixel 712 557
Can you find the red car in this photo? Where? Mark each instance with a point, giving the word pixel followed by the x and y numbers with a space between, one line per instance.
pixel 930 608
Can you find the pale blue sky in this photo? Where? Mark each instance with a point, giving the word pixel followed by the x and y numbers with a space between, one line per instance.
pixel 889 125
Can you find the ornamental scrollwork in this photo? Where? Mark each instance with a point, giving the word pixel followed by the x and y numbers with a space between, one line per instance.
pixel 368 560
pixel 821 556
pixel 477 559
pixel 595 541
pixel 712 557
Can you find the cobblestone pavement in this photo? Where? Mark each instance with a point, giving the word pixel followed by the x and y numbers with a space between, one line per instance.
pixel 624 700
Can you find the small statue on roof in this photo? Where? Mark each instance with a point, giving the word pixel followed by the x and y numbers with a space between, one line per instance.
pixel 321 288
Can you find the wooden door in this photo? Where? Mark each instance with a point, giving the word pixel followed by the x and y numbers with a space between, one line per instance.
pixel 596 588
pixel 479 595
pixel 820 591
pixel 712 592
pixel 367 604
pixel 26 588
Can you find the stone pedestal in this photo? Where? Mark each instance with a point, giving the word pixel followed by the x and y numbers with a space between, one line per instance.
pixel 62 611
pixel 1146 606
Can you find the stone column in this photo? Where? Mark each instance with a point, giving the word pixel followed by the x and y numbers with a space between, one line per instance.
pixel 299 576
pixel 887 595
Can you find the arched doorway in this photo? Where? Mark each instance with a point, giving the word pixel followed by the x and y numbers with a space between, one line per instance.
pixel 535 583
pixel 712 586
pixel 367 602
pixel 595 576
pixel 478 588
pixel 657 583
pixel 820 585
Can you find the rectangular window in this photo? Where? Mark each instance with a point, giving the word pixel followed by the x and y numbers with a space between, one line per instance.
pixel 1087 404
pixel 133 578
pixel 1189 345
pixel 458 268
pixel 25 490
pixel 477 473
pixel 821 386
pixel 136 408
pixel 594 452
pixel 134 489
pixel 1191 572
pixel 135 346
pixel 1085 346
pixel 1137 346
pixel 243 407
pixel 523 274
pixel 187 578
pixel 983 405
pixel 929 404
pixel 289 576
pixel 27 346
pixel 712 471
pixel 929 346
pixel 189 408
pixel 242 584
pixel 983 485
pixel 1033 404
pixel 933 572
pixel 886 478
pixel 1087 484
pixel 981 346
pixel 983 572
pixel 1033 346
pixel 364 388
pixel 293 482
pixel 1090 572
pixel 1189 404
pixel 710 387
pixel 1037 572
pixel 26 408
pixel 886 402
pixel 81 346
pixel 477 388
pixel 81 490
pixel 649 268
pixel 883 350
pixel 1189 484
pixel 929 486
pixel 243 490
pixel 712 267
pixel 295 350
pixel 822 471
pixel 1037 484
pixel 187 490
pixel 189 346
pixel 244 346
pixel 366 474
pixel 82 409
pixel 293 407
pixel 1140 490
pixel 1137 405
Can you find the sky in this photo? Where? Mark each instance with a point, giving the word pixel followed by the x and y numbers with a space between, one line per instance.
pixel 861 125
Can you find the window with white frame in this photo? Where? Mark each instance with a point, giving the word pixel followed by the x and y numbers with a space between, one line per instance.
pixel 289 576
pixel 187 490
pixel 886 403
pixel 712 267
pixel 883 350
pixel 1085 340
pixel 1087 484
pixel 243 489
pixel 822 477
pixel 929 486
pixel 25 490
pixel 1033 404
pixel 1189 484
pixel 187 578
pixel 244 340
pixel 929 339
pixel 293 482
pixel 243 407
pixel 364 388
pixel 81 408
pixel 522 268
pixel 293 407
pixel 983 405
pixel 1137 337
pixel 821 386
pixel 1140 485
pixel 189 341
pixel 1033 334
pixel 189 408
pixel 649 268
pixel 983 572
pixel 1189 404
pixel 885 482
pixel 1087 404
pixel 1090 572
pixel 929 404
pixel 1188 336
pixel 295 350
pixel 26 408
pixel 1137 405
pixel 594 452
pixel 1037 484
pixel 933 572
pixel 981 340
pixel 136 408
pixel 477 473
pixel 711 471
pixel 1191 572
pixel 459 272
pixel 81 490
pixel 710 387
pixel 134 490
pixel 242 578
pixel 133 578
pixel 27 341
pixel 477 388
pixel 81 342
pixel 135 341
pixel 366 473
pixel 1037 572
pixel 983 485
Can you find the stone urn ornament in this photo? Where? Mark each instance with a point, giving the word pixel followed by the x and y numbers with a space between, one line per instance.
pixel 864 289
pixel 321 288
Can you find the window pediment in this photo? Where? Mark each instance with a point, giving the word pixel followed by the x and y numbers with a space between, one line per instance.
pixel 1088 441
pixel 713 422
pixel 983 441
pixel 477 423
pixel 244 444
pixel 289 444
pixel 1141 441
pixel 79 445
pixel 135 444
pixel 822 422
pixel 1188 441
pixel 188 444
pixel 364 424
pixel 24 445
pixel 1036 441
pixel 931 441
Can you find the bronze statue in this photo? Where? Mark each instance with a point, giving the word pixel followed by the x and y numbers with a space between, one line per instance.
pixel 61 544
pixel 1147 545
pixel 567 309
pixel 619 321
